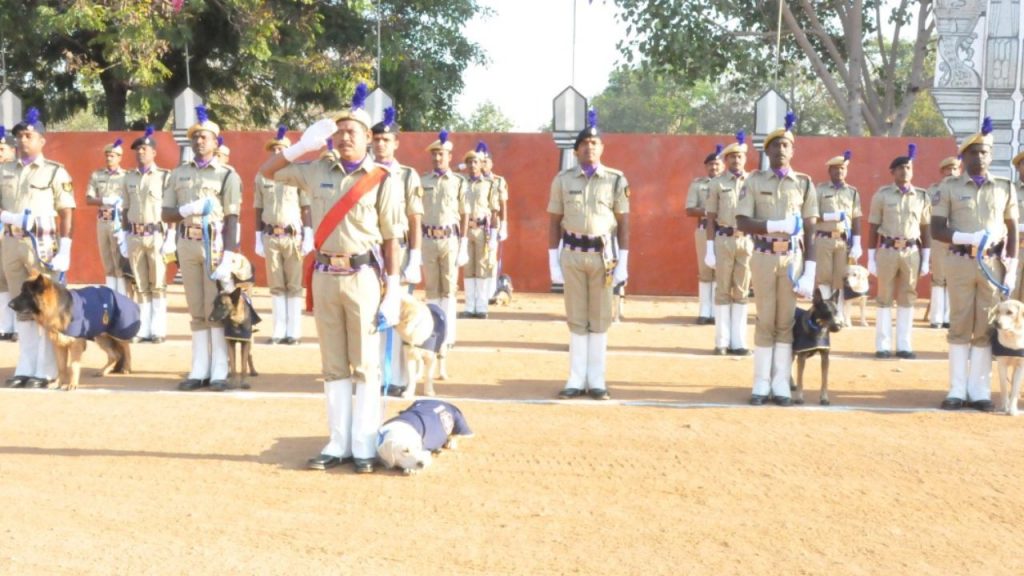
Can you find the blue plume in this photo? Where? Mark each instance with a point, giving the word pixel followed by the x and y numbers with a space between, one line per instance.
pixel 201 114
pixel 912 151
pixel 443 136
pixel 359 97
pixel 330 144
pixel 986 126
pixel 790 119
pixel 149 131
pixel 281 131
pixel 847 155
pixel 481 147
pixel 118 142
pixel 220 140
pixel 33 116
pixel 389 116
pixel 718 149
pixel 741 136
pixel 592 117
pixel 3 132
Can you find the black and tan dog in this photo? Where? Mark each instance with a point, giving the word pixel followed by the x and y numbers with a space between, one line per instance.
pixel 71 317
pixel 811 330
pixel 234 310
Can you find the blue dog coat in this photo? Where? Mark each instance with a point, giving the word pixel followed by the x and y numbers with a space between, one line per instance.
pixel 97 310
pixel 435 421
pixel 807 335
pixel 437 335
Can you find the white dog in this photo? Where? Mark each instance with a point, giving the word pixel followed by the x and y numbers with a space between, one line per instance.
pixel 422 328
pixel 1008 348
pixel 855 292
pixel 408 440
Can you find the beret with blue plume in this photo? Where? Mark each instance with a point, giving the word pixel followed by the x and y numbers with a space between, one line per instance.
pixel 442 142
pixel 145 140
pixel 984 137
pixel 740 145
pixel 904 160
pixel 388 124
pixel 714 155
pixel 841 160
pixel 591 131
pixel 785 132
pixel 222 148
pixel 115 147
pixel 279 139
pixel 203 122
pixel 5 138
pixel 357 111
pixel 31 123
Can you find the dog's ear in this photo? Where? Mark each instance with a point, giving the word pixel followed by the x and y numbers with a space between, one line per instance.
pixel 1018 315
pixel 817 295
pixel 835 297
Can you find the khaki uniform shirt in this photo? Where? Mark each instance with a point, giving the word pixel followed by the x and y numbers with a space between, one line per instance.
pixel 104 183
pixel 378 215
pixel 898 214
pixel 501 185
pixel 280 203
pixel 969 208
pixel 444 198
pixel 190 182
pixel 43 186
pixel 697 195
pixel 409 182
pixel 481 198
pixel 144 194
pixel 588 205
pixel 723 194
pixel 1019 187
pixel 765 196
pixel 832 199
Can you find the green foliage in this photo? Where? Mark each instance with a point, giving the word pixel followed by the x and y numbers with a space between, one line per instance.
pixel 486 118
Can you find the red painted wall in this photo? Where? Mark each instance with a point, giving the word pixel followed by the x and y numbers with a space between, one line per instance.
pixel 659 169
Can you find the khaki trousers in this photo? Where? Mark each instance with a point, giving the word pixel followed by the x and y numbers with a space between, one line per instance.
pixel 481 258
pixel 774 298
pixel 148 265
pixel 938 262
pixel 897 273
pixel 732 269
pixel 588 297
pixel 283 257
pixel 110 254
pixel 831 257
pixel 200 290
pixel 345 309
pixel 971 299
pixel 440 275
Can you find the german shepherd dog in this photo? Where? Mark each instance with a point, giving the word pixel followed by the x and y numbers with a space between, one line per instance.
pixel 811 336
pixel 71 317
pixel 234 310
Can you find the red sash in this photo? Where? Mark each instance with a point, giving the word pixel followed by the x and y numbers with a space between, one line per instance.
pixel 334 217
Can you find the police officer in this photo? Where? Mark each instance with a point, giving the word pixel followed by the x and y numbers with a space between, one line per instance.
pixel 223 152
pixel 696 197
pixel 774 206
pixel 482 208
pixel 357 213
pixel 205 197
pixel 149 240
pixel 7 147
pixel 279 235
pixel 728 251
pixel 589 208
pixel 975 209
pixel 36 202
pixel 105 187
pixel 899 248
pixel 445 220
pixel 839 216
pixel 501 185
pixel 938 308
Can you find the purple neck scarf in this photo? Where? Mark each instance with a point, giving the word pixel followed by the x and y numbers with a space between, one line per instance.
pixel 589 169
pixel 351 167
pixel 781 172
pixel 979 180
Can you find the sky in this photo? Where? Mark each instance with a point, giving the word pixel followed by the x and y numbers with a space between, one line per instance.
pixel 529 43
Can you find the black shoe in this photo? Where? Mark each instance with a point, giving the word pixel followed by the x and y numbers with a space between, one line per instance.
pixel 952 404
pixel 782 401
pixel 464 314
pixel 396 391
pixel 363 465
pixel 325 462
pixel 492 301
pixel 906 354
pixel 757 400
pixel 481 315
pixel 598 394
pixel 570 393
pixel 36 382
pixel 15 381
pixel 14 337
pixel 6 335
pixel 274 340
pixel 738 352
pixel 190 384
pixel 157 339
pixel 945 324
pixel 883 354
pixel 702 321
pixel 288 341
pixel 720 352
pixel 935 325
pixel 219 385
pixel 982 405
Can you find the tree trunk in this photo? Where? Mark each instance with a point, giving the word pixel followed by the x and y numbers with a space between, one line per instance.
pixel 115 99
pixel 853 27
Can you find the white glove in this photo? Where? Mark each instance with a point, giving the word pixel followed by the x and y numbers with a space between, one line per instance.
pixel 17 219
pixel 200 206
pixel 223 270
pixel 503 231
pixel 412 269
pixel 170 243
pixel 62 260
pixel 390 306
pixel 855 250
pixel 555 266
pixel 122 243
pixel 709 254
pixel 805 285
pixel 111 200
pixel 970 238
pixel 872 267
pixel 312 139
pixel 621 272
pixel 259 244
pixel 1010 278
pixel 492 239
pixel 926 264
pixel 307 240
pixel 463 257
pixel 789 225
pixel 834 216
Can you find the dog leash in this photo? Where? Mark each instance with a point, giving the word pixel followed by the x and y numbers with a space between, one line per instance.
pixel 1004 290
pixel 796 244
pixel 35 246
pixel 207 238
pixel 385 369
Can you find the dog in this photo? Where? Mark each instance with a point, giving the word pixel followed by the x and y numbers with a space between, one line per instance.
pixel 233 309
pixel 422 328
pixel 619 301
pixel 855 292
pixel 811 329
pixel 1008 349
pixel 71 317
pixel 503 291
pixel 409 440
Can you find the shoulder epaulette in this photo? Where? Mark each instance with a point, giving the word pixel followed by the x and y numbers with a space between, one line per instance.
pixel 49 162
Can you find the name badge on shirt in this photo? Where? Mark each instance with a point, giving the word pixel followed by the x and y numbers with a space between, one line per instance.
pixel 963 198
pixel 575 191
pixel 327 185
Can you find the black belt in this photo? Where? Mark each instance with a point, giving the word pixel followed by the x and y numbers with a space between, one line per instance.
pixel 898 243
pixel 478 222
pixel 972 251
pixel 729 231
pixel 192 231
pixel 771 245
pixel 438 232
pixel 106 214
pixel 834 234
pixel 344 261
pixel 280 231
pixel 145 229
pixel 582 242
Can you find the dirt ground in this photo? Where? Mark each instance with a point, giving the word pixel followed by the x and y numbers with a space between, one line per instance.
pixel 675 475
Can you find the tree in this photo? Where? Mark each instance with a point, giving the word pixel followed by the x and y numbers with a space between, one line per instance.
pixel 854 48
pixel 256 62
pixel 486 118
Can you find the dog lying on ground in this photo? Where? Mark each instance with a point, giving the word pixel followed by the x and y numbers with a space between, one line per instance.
pixel 422 328
pixel 234 310
pixel 811 330
pixel 408 440
pixel 71 317
pixel 1008 349
pixel 855 292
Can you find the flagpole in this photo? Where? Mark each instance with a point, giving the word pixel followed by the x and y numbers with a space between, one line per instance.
pixel 572 74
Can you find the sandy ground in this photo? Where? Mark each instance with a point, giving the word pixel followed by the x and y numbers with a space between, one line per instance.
pixel 676 475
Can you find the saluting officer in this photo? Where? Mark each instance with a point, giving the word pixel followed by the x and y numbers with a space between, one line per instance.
pixel 357 213
pixel 7 147
pixel 482 209
pixel 774 206
pixel 37 200
pixel 938 308
pixel 589 208
pixel 150 240
pixel 279 235
pixel 839 216
pixel 696 198
pixel 445 221
pixel 728 251
pixel 972 208
pixel 899 246
pixel 105 188
pixel 501 185
pixel 205 197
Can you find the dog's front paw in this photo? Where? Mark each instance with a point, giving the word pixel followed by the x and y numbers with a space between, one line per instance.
pixel 451 444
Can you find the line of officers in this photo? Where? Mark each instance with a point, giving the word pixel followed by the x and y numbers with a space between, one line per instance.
pixel 775 232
